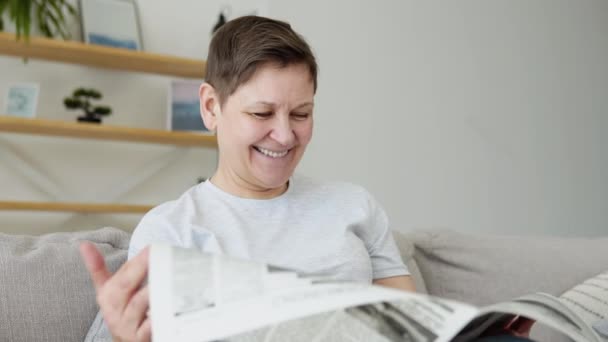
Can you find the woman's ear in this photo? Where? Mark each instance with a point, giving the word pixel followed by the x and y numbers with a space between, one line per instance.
pixel 210 105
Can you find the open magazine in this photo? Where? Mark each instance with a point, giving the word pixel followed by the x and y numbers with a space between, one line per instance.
pixel 205 297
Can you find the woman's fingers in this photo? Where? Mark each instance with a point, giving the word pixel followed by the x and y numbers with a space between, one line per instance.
pixel 119 289
pixel 133 325
pixel 93 260
pixel 144 333
pixel 122 302
pixel 135 312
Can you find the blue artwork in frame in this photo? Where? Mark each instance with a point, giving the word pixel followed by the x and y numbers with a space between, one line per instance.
pixel 22 100
pixel 184 107
pixel 111 23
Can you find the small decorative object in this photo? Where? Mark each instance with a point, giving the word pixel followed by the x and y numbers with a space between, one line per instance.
pixel 22 99
pixel 221 20
pixel 225 13
pixel 184 112
pixel 81 99
pixel 111 23
pixel 51 16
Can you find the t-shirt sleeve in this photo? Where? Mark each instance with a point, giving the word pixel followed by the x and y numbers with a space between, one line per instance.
pixel 384 254
pixel 172 224
pixel 153 228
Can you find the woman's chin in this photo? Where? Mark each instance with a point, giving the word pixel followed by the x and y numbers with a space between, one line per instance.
pixel 273 182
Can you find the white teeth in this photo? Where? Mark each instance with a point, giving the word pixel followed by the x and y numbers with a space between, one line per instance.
pixel 272 154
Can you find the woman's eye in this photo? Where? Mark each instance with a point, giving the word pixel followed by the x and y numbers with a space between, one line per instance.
pixel 300 116
pixel 264 115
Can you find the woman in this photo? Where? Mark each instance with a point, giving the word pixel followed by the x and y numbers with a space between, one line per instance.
pixel 259 98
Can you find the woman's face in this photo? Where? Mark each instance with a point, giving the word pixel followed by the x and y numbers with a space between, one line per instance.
pixel 264 127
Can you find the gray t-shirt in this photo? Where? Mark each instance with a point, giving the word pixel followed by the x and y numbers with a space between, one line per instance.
pixel 336 229
pixel 330 228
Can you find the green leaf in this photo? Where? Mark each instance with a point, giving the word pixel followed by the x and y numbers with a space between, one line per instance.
pixel 50 16
pixel 95 94
pixel 22 17
pixel 71 9
pixel 72 103
pixel 58 9
pixel 46 30
pixel 3 6
pixel 13 9
pixel 41 24
pixel 63 5
pixel 102 110
pixel 27 17
pixel 54 16
pixel 80 92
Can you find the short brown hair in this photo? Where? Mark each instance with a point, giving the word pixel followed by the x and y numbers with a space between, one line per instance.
pixel 242 44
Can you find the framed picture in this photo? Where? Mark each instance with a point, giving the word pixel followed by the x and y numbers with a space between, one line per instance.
pixel 184 112
pixel 111 22
pixel 21 100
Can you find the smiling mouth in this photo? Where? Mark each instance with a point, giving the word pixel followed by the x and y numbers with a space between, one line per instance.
pixel 271 154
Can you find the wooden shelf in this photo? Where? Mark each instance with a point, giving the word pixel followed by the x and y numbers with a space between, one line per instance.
pixel 75 207
pixel 100 56
pixel 104 132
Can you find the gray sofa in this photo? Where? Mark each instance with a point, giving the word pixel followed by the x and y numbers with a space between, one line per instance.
pixel 46 294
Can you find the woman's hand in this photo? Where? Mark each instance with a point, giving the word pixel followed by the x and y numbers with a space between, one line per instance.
pixel 399 282
pixel 121 298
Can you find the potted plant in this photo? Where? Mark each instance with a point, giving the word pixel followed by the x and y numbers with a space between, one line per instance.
pixel 81 99
pixel 50 16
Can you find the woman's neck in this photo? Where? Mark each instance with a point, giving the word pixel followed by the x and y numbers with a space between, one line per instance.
pixel 237 186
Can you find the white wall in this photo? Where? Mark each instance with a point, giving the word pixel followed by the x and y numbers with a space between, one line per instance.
pixel 470 115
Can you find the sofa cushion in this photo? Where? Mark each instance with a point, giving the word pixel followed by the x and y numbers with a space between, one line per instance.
pixel 406 249
pixel 46 293
pixel 484 269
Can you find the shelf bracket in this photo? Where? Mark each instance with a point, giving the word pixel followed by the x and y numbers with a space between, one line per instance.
pixel 136 177
pixel 26 167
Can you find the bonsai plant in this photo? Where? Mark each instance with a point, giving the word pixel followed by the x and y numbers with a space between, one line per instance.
pixel 81 99
pixel 50 16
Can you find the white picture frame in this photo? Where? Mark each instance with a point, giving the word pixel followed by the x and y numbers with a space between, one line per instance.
pixel 183 107
pixel 21 100
pixel 112 23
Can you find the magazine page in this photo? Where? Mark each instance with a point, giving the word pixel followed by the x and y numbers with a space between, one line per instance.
pixel 204 297
pixel 558 305
pixel 410 319
pixel 543 308
pixel 589 300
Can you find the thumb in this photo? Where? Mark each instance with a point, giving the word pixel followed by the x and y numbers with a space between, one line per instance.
pixel 93 260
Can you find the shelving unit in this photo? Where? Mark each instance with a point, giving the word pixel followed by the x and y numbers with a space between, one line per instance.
pixel 83 208
pixel 103 132
pixel 73 52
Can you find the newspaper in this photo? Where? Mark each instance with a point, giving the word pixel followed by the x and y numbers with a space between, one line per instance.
pixel 206 297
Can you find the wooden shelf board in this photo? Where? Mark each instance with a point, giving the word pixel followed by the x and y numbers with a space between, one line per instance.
pixel 104 132
pixel 100 56
pixel 74 207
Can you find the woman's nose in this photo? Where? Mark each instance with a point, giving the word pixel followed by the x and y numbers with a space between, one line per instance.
pixel 282 131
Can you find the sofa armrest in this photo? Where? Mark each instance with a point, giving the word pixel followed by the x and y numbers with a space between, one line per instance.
pixel 46 293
